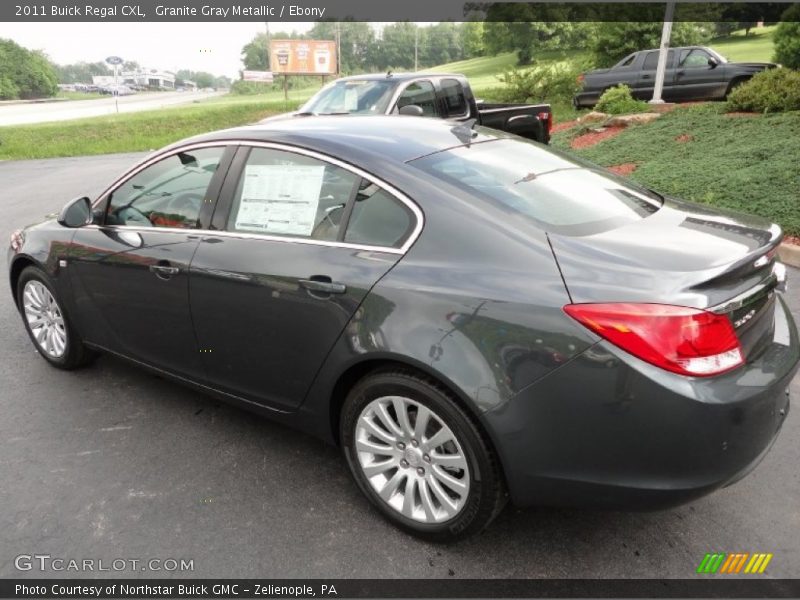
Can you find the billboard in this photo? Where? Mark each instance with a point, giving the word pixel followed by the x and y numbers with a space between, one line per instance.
pixel 302 57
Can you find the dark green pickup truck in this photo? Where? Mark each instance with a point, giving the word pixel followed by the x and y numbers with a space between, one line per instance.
pixel 442 95
pixel 692 73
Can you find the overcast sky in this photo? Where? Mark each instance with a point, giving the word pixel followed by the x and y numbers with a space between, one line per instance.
pixel 212 47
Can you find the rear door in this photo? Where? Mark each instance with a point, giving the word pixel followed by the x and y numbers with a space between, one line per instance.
pixel 130 271
pixel 643 90
pixel 302 238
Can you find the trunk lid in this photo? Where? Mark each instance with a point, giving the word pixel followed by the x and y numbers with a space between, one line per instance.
pixel 684 255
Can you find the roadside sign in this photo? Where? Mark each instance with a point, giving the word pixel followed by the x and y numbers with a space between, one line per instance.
pixel 114 60
pixel 302 57
pixel 261 76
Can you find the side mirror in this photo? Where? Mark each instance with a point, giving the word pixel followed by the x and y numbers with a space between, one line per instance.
pixel 712 62
pixel 411 110
pixel 76 213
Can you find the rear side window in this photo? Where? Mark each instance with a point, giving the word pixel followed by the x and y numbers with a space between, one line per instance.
pixel 651 60
pixel 454 100
pixel 556 193
pixel 378 218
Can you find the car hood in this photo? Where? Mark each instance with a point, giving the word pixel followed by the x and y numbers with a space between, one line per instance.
pixel 683 254
pixel 756 66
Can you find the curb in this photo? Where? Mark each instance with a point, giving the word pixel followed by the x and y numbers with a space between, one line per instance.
pixel 790 254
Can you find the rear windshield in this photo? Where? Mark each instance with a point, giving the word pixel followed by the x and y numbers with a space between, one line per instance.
pixel 352 97
pixel 558 193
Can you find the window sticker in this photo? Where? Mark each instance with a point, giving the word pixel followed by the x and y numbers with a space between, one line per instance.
pixel 280 199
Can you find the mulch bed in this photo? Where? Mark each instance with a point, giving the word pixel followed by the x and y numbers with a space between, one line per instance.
pixel 593 137
pixel 624 169
pixel 562 126
pixel 742 114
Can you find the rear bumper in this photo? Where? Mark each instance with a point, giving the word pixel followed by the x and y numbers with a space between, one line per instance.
pixel 607 430
pixel 585 99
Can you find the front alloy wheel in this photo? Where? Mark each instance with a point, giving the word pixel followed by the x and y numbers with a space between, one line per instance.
pixel 419 456
pixel 47 323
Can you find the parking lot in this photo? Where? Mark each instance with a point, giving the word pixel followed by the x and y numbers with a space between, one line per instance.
pixel 112 462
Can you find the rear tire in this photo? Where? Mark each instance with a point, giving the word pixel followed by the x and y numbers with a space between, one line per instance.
pixel 47 323
pixel 430 472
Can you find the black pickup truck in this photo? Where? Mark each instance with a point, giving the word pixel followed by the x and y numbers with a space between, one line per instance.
pixel 692 73
pixel 445 96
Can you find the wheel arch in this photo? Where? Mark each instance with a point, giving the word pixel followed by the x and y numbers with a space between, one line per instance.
pixel 19 264
pixel 368 365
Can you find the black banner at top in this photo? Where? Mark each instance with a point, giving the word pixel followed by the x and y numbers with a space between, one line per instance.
pixel 379 10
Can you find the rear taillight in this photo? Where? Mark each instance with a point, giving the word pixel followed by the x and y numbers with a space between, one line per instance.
pixel 581 78
pixel 547 118
pixel 683 340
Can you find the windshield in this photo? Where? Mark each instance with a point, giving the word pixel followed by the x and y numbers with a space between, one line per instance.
pixel 351 97
pixel 557 193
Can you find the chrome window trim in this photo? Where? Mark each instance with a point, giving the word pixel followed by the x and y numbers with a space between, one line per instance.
pixel 412 206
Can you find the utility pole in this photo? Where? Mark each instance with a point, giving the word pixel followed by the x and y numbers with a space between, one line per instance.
pixel 416 46
pixel 269 58
pixel 663 53
pixel 338 49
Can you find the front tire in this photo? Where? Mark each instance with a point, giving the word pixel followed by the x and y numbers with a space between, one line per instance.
pixel 48 325
pixel 419 457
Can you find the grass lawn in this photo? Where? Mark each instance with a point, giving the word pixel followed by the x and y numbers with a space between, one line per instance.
pixel 756 47
pixel 746 163
pixel 127 132
pixel 79 95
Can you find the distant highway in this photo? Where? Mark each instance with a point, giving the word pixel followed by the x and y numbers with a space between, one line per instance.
pixel 20 114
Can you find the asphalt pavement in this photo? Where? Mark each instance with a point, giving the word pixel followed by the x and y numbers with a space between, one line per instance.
pixel 40 112
pixel 111 462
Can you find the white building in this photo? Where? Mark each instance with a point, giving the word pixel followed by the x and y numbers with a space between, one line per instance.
pixel 143 78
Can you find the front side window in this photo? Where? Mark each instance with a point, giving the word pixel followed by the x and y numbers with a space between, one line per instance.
pixel 695 58
pixel 419 93
pixel 454 100
pixel 169 193
pixel 287 194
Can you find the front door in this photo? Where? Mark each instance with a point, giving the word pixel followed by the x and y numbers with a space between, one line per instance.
pixel 303 241
pixel 130 271
pixel 695 78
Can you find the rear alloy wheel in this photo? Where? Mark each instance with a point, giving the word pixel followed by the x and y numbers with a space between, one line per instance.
pixel 419 457
pixel 46 322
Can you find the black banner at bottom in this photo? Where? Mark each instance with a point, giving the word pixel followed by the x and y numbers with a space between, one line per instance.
pixel 712 587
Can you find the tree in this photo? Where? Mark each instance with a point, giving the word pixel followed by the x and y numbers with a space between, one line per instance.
pixel 25 73
pixel 787 38
pixel 472 39
pixel 81 72
pixel 615 40
pixel 395 48
pixel 130 65
pixel 200 78
pixel 356 38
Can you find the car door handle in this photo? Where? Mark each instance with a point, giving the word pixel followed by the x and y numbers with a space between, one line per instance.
pixel 322 286
pixel 645 76
pixel 164 271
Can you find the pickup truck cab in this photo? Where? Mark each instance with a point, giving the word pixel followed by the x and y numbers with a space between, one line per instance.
pixel 438 95
pixel 692 73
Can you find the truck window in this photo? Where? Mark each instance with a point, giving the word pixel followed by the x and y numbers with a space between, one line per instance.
pixel 420 93
pixel 454 101
pixel 625 62
pixel 651 60
pixel 694 58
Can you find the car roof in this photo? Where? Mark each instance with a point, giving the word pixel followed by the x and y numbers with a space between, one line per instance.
pixel 362 138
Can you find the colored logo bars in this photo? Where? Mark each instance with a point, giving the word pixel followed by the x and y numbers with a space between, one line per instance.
pixel 720 562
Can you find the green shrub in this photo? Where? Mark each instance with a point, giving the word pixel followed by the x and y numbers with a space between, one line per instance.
pixel 618 101
pixel 541 83
pixel 250 88
pixel 775 90
pixel 787 38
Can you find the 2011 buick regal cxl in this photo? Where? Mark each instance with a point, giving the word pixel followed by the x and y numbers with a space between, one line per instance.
pixel 470 315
